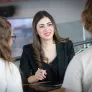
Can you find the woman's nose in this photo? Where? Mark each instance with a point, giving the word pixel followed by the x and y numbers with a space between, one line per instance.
pixel 46 27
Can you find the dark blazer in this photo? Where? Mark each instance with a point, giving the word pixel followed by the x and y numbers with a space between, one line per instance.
pixel 65 53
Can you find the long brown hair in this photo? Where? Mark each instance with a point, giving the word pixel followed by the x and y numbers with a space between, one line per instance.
pixel 5 34
pixel 87 16
pixel 37 49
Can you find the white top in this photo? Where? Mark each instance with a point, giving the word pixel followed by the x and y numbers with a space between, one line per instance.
pixel 10 79
pixel 78 75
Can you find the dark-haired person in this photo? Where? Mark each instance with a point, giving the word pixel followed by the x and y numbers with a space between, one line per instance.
pixel 78 75
pixel 47 58
pixel 10 79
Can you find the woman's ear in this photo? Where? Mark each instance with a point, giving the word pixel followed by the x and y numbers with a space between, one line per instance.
pixel 36 33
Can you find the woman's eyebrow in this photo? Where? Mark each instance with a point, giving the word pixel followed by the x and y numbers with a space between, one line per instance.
pixel 41 24
pixel 49 22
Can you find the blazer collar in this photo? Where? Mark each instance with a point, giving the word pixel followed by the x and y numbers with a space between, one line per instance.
pixel 60 54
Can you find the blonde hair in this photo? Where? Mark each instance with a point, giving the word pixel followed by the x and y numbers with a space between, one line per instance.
pixel 5 34
pixel 87 16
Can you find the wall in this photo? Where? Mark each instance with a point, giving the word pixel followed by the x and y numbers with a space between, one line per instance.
pixel 62 10
pixel 67 14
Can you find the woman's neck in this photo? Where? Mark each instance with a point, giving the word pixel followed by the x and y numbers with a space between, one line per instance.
pixel 47 43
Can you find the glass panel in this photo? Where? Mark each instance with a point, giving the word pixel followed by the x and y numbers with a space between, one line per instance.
pixel 22 28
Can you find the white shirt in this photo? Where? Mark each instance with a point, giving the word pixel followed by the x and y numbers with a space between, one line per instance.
pixel 78 75
pixel 10 79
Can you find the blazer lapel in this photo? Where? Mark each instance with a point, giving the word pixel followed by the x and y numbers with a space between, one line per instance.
pixel 61 59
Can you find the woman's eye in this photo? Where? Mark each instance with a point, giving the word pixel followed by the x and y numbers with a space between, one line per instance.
pixel 41 26
pixel 49 24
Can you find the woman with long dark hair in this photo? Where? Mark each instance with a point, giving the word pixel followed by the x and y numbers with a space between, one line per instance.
pixel 47 58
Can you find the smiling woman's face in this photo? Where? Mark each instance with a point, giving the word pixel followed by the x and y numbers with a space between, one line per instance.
pixel 45 29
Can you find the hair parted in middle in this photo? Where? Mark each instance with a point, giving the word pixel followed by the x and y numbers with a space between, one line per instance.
pixel 37 49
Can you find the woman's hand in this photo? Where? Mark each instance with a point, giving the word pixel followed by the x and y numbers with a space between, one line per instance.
pixel 40 74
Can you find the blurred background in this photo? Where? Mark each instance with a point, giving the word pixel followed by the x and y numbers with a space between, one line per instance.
pixel 67 14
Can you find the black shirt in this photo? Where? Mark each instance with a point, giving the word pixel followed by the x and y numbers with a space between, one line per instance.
pixel 52 71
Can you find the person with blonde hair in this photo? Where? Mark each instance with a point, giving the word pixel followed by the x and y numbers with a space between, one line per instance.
pixel 10 79
pixel 78 76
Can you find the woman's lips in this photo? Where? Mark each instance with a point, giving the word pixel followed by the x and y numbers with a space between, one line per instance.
pixel 47 33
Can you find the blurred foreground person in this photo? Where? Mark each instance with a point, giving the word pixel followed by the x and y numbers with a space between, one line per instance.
pixel 78 76
pixel 10 79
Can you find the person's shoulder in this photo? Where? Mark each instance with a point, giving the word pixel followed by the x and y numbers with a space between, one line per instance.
pixel 86 53
pixel 5 64
pixel 27 46
pixel 66 42
pixel 2 66
pixel 84 56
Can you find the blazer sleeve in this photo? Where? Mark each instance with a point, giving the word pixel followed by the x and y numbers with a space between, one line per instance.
pixel 70 50
pixel 25 66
